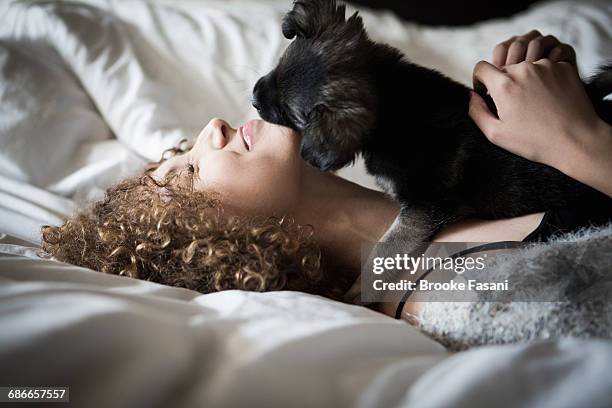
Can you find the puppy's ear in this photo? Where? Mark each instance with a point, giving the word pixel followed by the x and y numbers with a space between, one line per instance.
pixel 309 18
pixel 354 26
pixel 332 139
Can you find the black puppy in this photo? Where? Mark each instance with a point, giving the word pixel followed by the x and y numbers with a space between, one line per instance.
pixel 348 95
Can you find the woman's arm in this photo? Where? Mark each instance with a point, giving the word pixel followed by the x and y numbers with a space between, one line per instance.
pixel 544 113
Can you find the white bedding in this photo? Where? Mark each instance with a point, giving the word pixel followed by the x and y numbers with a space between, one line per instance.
pixel 88 92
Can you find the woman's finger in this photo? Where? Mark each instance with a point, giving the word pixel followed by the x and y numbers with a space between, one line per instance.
pixel 563 53
pixel 540 47
pixel 487 76
pixel 508 52
pixel 482 116
pixel 544 62
pixel 500 52
pixel 531 35
pixel 517 52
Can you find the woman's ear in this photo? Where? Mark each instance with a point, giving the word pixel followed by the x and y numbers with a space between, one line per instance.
pixel 291 27
pixel 309 18
pixel 332 139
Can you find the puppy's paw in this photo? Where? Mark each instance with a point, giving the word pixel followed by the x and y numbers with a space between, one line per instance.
pixel 311 17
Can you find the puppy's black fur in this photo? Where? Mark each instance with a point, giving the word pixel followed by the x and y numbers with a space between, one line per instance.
pixel 348 95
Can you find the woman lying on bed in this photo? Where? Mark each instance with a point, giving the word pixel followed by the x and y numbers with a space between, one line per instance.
pixel 231 212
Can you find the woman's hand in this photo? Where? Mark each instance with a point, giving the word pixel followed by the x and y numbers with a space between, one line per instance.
pixel 543 108
pixel 531 99
pixel 545 115
pixel 532 47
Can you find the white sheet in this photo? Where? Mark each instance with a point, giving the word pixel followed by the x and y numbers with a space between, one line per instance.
pixel 126 343
pixel 88 92
pixel 122 342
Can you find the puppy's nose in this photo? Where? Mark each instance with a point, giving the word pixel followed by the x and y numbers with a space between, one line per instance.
pixel 256 98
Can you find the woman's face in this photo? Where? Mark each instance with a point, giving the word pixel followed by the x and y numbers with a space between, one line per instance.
pixel 256 168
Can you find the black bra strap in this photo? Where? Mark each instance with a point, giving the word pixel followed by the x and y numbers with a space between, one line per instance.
pixel 479 248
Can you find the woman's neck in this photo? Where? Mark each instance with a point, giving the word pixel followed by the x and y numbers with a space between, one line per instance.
pixel 344 215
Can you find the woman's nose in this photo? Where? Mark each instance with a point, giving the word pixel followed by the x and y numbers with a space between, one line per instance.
pixel 219 133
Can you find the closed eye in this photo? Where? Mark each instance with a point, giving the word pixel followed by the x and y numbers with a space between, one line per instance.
pixel 194 170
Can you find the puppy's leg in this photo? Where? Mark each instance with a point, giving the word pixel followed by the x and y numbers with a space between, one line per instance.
pixel 410 234
pixel 415 226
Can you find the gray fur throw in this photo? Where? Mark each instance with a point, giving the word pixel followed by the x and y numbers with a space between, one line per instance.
pixel 578 276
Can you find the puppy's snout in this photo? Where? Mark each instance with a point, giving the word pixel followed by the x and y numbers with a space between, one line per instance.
pixel 265 100
pixel 257 97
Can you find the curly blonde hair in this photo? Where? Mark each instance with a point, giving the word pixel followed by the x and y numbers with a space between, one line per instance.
pixel 171 234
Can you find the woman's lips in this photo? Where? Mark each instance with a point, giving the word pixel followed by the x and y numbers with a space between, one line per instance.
pixel 248 133
pixel 246 137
